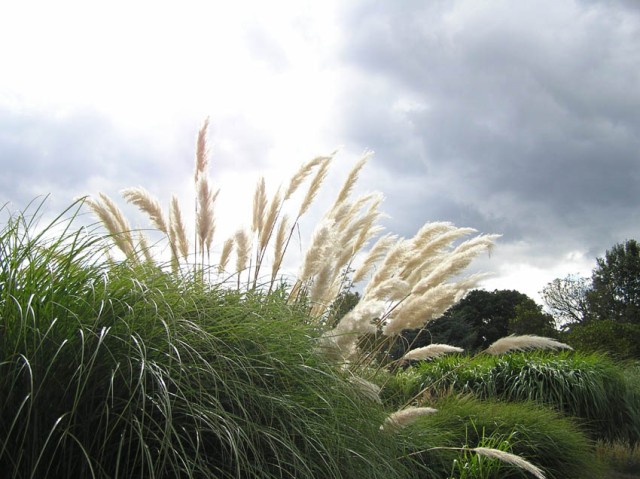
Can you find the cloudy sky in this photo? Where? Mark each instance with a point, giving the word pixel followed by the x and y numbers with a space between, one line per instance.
pixel 520 118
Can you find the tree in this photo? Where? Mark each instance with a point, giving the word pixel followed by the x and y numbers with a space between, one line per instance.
pixel 619 340
pixel 483 317
pixel 615 291
pixel 530 319
pixel 566 298
pixel 343 303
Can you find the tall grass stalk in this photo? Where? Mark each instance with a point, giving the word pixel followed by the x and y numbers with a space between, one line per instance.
pixel 119 370
pixel 409 287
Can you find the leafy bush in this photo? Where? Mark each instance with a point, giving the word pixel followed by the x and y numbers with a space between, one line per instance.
pixel 587 386
pixel 535 433
pixel 618 340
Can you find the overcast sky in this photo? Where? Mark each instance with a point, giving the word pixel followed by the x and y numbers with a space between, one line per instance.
pixel 520 118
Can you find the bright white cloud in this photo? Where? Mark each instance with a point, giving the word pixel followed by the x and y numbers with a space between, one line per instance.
pixel 488 114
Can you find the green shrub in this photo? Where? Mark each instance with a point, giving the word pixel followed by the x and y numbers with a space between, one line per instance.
pixel 587 386
pixel 618 340
pixel 535 433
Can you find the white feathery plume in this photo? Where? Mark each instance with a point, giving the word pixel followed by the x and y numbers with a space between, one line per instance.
pixel 303 172
pixel 510 458
pixel 351 180
pixel 269 222
pixel 392 262
pixel 281 238
pixel 417 310
pixel 259 205
pixel 225 255
pixel 431 351
pixel 143 246
pixel 425 252
pixel 317 181
pixel 243 247
pixel 148 204
pixel 524 342
pixel 405 417
pixel 319 251
pixel 376 253
pixel 115 223
pixel 392 289
pixel 177 229
pixel 205 222
pixel 361 318
pixel 202 151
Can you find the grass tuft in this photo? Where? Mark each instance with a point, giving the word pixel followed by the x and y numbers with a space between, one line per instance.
pixel 116 370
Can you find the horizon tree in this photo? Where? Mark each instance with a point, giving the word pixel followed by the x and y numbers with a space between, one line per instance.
pixel 615 290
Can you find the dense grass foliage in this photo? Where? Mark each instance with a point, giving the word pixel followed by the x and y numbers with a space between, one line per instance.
pixel 587 386
pixel 533 432
pixel 116 370
pixel 113 371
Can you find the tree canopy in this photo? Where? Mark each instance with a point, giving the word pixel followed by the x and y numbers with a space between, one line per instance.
pixel 612 293
pixel 602 313
pixel 615 290
pixel 566 298
pixel 483 317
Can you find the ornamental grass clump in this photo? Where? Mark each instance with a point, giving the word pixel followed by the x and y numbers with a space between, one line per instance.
pixel 407 280
pixel 122 370
pixel 586 386
pixel 550 443
pixel 405 283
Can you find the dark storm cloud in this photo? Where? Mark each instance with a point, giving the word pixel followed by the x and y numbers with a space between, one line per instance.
pixel 520 118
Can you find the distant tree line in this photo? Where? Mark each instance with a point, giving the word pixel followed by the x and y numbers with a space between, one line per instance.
pixel 600 313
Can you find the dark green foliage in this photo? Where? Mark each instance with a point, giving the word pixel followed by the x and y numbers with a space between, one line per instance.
pixel 109 371
pixel 611 294
pixel 615 292
pixel 618 340
pixel 589 387
pixel 535 433
pixel 530 319
pixel 482 317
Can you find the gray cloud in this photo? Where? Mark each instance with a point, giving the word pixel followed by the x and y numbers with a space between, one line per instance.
pixel 519 118
pixel 44 154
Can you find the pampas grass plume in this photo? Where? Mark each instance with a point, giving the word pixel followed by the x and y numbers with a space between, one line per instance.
pixel 279 246
pixel 270 220
pixel 510 458
pixel 224 256
pixel 405 417
pixel 205 223
pixel 259 205
pixel 117 226
pixel 376 253
pixel 431 351
pixel 524 342
pixel 177 228
pixel 243 247
pixel 202 151
pixel 301 175
pixel 351 180
pixel 148 204
pixel 315 185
